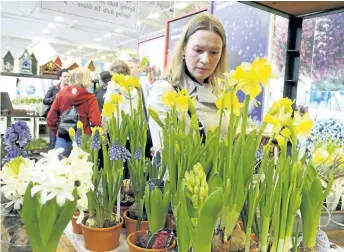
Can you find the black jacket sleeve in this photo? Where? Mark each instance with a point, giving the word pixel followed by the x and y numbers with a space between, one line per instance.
pixel 49 97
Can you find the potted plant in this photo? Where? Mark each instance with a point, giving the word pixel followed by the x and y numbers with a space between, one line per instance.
pixel 157 200
pixel 135 218
pixel 102 224
pixel 47 193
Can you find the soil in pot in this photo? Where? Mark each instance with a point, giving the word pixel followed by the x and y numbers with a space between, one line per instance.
pixel 102 239
pixel 234 243
pixel 159 242
pixel 130 223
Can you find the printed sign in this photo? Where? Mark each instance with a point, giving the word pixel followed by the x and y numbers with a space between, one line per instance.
pixel 122 13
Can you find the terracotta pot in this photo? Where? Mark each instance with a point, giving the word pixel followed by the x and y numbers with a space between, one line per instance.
pixel 102 239
pixel 132 238
pixel 131 224
pixel 76 227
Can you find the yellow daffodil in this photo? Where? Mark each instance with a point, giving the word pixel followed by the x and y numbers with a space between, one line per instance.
pixel 263 70
pixel 100 130
pixel 71 133
pixel 182 100
pixel 116 98
pixel 229 101
pixel 320 156
pixel 169 98
pixel 303 124
pixel 212 128
pixel 118 78
pixel 79 125
pixel 286 132
pixel 108 109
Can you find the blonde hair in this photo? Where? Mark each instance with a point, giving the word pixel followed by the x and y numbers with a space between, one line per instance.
pixel 119 67
pixel 81 76
pixel 206 22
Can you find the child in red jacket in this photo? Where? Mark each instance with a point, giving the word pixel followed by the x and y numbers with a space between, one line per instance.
pixel 84 102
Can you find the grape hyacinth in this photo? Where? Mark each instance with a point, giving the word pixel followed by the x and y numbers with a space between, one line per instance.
pixel 138 154
pixel 16 137
pixel 78 137
pixel 119 152
pixel 330 130
pixel 157 159
pixel 95 144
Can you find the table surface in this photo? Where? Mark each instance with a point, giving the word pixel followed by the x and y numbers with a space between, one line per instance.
pixel 335 236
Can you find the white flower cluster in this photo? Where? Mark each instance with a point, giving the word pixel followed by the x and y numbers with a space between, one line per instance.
pixel 52 177
pixel 15 176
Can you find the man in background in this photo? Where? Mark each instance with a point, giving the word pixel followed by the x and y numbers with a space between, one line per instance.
pixel 105 78
pixel 49 98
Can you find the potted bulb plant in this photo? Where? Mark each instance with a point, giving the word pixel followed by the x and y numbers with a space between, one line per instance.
pixel 157 200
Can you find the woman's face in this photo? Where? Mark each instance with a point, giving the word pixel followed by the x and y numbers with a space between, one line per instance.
pixel 202 53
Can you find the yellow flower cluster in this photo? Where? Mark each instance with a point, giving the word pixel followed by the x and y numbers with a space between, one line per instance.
pixel 196 185
pixel 179 100
pixel 128 82
pixel 229 101
pixel 249 77
pixel 110 107
pixel 325 156
pixel 280 117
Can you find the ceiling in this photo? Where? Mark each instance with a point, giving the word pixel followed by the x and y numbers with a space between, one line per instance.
pixel 301 8
pixel 24 25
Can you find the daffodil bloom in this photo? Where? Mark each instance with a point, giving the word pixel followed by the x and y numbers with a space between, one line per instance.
pixel 263 70
pixel 230 102
pixel 286 132
pixel 94 129
pixel 320 156
pixel 116 98
pixel 182 100
pixel 303 124
pixel 169 98
pixel 71 132
pixel 118 78
pixel 128 83
pixel 79 125
pixel 108 109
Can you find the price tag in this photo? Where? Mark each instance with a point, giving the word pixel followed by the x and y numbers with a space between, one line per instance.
pixel 322 242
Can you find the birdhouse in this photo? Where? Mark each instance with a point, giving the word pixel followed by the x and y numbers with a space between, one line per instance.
pixel 34 63
pixel 73 66
pixel 58 61
pixel 25 63
pixel 50 68
pixel 91 66
pixel 8 62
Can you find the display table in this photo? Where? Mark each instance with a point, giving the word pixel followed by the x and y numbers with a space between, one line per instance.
pixel 78 241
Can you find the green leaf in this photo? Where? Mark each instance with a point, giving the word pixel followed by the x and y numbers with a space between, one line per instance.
pixel 207 221
pixel 214 183
pixel 46 220
pixel 30 218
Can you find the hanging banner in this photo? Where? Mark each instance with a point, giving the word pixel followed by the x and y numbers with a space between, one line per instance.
pixel 122 13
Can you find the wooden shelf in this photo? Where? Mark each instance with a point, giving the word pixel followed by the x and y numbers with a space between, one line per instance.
pixel 22 75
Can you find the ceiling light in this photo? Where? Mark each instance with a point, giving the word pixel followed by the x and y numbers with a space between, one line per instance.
pixel 59 19
pixel 103 57
pixel 154 16
pixel 67 53
pixel 119 30
pixel 73 50
pixel 46 31
pixel 180 5
pixel 108 35
pixel 51 26
pixel 138 22
pixel 98 39
pixel 80 47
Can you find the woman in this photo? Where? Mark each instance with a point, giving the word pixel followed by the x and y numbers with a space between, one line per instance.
pixel 75 97
pixel 198 60
pixel 105 78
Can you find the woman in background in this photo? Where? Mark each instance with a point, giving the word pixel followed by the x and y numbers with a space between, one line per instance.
pixel 199 59
pixel 74 96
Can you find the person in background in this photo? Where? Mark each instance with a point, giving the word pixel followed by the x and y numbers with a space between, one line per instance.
pixel 198 61
pixel 141 71
pixel 49 98
pixel 105 78
pixel 84 102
